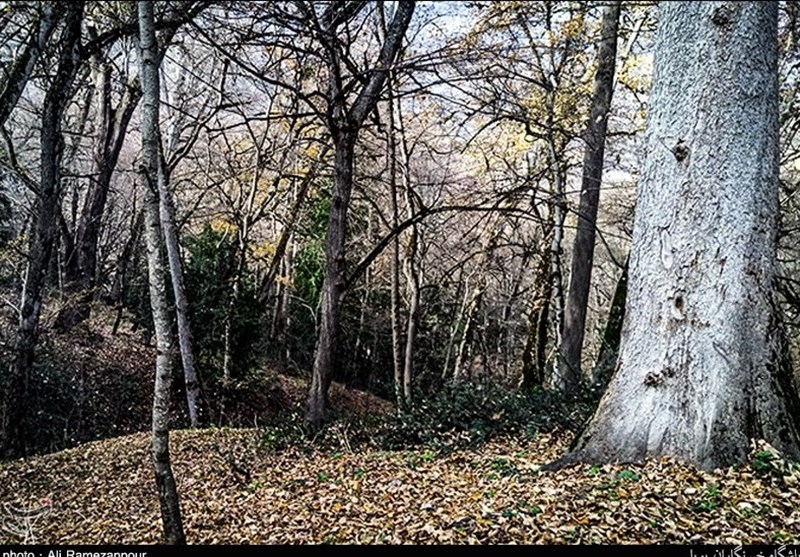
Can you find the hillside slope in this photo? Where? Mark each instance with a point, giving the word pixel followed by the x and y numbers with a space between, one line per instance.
pixel 90 384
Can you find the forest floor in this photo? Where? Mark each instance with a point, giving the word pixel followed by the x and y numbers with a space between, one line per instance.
pixel 236 487
pixel 465 469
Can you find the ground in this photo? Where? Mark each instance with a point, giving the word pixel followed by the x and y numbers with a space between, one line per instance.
pixel 237 488
pixel 422 481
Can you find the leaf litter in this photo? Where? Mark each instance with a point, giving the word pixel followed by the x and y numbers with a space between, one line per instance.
pixel 236 490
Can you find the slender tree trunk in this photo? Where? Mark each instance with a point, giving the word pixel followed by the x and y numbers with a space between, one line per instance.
pixel 413 281
pixel 82 249
pixel 363 309
pixel 83 263
pixel 508 341
pixel 397 358
pixel 702 368
pixel 284 316
pixel 288 229
pixel 43 236
pixel 344 125
pixel 411 268
pixel 583 245
pixel 165 481
pixel 558 207
pixel 455 321
pixel 16 78
pixel 169 230
pixel 534 354
pixel 327 354
pixel 609 350
pixel 238 273
pixel 120 286
pixel 466 324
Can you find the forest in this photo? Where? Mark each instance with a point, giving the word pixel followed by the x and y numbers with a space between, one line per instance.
pixel 408 272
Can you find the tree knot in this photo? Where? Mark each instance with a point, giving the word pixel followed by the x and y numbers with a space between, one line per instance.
pixel 657 378
pixel 681 151
pixel 722 17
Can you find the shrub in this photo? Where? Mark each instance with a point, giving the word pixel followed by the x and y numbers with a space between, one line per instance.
pixel 209 272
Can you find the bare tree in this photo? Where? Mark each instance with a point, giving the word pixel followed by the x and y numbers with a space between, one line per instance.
pixel 569 374
pixel 43 233
pixel 152 177
pixel 344 123
pixel 44 23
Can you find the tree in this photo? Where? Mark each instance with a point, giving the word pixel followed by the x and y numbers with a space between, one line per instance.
pixel 531 73
pixel 152 174
pixel 703 367
pixel 43 234
pixel 17 76
pixel 569 373
pixel 344 123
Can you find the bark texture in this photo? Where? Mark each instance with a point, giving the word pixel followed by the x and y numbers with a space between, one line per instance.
pixel 16 77
pixel 583 245
pixel 169 229
pixel 165 481
pixel 344 123
pixel 702 368
pixel 43 236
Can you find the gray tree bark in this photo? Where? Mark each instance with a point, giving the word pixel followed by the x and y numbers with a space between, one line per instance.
pixel 169 229
pixel 151 175
pixel 702 369
pixel 20 72
pixel 583 245
pixel 43 235
pixel 391 155
pixel 411 265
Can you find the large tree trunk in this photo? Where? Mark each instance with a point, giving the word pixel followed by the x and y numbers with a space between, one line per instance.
pixel 702 369
pixel 583 245
pixel 165 481
pixel 43 235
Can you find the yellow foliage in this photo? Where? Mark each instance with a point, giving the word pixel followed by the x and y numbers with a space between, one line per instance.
pixel 223 226
pixel 312 151
pixel 264 250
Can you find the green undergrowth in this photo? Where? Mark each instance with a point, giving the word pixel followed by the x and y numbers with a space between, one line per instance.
pixel 459 416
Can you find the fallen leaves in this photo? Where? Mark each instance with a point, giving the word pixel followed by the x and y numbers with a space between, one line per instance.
pixel 103 492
